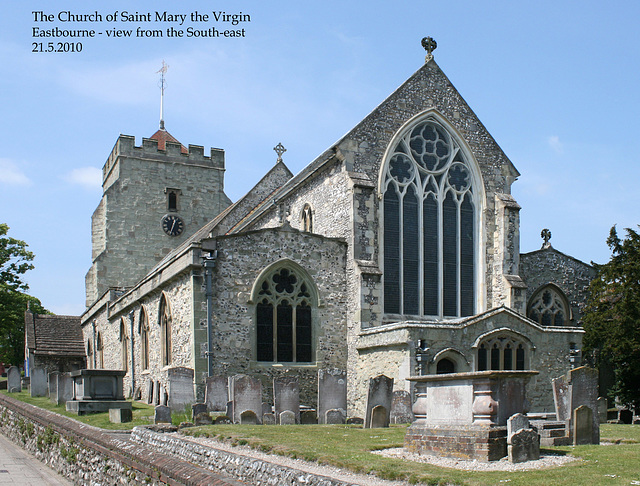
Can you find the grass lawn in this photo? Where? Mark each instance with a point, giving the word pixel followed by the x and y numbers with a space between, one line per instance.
pixel 142 413
pixel 349 447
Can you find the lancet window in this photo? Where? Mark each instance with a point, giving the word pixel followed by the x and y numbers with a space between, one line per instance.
pixel 124 341
pixel 165 332
pixel 430 227
pixel 503 352
pixel 284 331
pixel 144 339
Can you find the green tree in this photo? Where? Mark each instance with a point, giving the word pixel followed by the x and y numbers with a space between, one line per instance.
pixel 15 261
pixel 612 319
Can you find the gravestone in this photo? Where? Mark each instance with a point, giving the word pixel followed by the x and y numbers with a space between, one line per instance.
pixel 180 384
pixel 52 392
pixel 216 393
pixel 379 417
pixel 268 419
pixel 287 418
pixel 156 393
pixel 14 380
pixel 332 392
pixel 516 423
pixel 602 410
pixel 308 417
pixel 355 421
pixel 246 395
pixel 401 412
pixel 162 415
pixel 222 419
pixel 120 415
pixel 524 446
pixel 562 398
pixel 584 391
pixel 249 417
pixel 335 416
pixel 38 387
pixel 150 391
pixel 380 395
pixel 582 422
pixel 266 408
pixel 286 396
pixel 203 418
pixel 64 391
pixel 198 408
pixel 229 409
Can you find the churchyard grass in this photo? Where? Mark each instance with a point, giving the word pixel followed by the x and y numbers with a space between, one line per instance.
pixel 349 447
pixel 142 413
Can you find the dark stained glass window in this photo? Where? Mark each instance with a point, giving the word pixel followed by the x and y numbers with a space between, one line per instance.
pixel 430 225
pixel 284 331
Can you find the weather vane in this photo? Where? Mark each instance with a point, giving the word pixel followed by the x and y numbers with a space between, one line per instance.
pixel 162 84
pixel 429 44
pixel 279 150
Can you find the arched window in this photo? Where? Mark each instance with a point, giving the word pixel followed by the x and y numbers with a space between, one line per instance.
pixel 549 306
pixel 445 365
pixel 284 331
pixel 165 331
pixel 502 351
pixel 99 352
pixel 307 219
pixel 89 354
pixel 124 341
pixel 430 206
pixel 144 339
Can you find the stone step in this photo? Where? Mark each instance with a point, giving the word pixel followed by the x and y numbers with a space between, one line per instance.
pixel 554 441
pixel 548 425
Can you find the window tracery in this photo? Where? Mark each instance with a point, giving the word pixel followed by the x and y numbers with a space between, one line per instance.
pixel 429 225
pixel 284 318
pixel 548 306
pixel 502 352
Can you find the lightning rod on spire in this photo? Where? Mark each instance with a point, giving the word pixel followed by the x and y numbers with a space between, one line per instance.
pixel 163 84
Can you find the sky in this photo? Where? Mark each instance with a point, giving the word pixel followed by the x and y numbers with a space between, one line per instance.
pixel 554 82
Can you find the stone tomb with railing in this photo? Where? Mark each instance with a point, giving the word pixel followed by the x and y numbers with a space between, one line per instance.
pixel 97 391
pixel 464 415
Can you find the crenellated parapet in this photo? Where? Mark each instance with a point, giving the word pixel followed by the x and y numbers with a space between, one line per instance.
pixel 173 153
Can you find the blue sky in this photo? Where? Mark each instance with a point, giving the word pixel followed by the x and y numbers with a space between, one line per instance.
pixel 555 83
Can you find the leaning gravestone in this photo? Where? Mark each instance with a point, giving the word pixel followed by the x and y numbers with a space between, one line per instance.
pixel 14 380
pixel 401 412
pixel 582 422
pixel 180 384
pixel 584 391
pixel 216 393
pixel 246 395
pixel 332 392
pixel 602 410
pixel 64 392
pixel 562 398
pixel 286 396
pixel 524 446
pixel 38 382
pixel 380 395
pixel 162 415
pixel 53 385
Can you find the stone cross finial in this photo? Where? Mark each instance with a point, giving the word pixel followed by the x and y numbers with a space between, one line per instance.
pixel 279 150
pixel 546 236
pixel 430 45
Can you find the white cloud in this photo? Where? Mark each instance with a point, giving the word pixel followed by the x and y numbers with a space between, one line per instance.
pixel 11 174
pixel 87 177
pixel 555 144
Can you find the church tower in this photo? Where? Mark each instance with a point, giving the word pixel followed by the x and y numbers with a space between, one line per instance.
pixel 155 196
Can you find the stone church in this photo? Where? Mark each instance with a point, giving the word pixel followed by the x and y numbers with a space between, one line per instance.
pixel 394 252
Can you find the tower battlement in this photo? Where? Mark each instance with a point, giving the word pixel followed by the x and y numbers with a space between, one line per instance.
pixel 173 153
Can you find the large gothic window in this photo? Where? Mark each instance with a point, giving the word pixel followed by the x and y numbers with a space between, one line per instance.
pixel 548 306
pixel 430 204
pixel 284 318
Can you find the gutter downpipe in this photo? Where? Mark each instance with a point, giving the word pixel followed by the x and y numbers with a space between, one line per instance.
pixel 209 264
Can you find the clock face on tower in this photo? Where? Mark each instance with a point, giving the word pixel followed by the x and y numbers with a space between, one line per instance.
pixel 172 225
